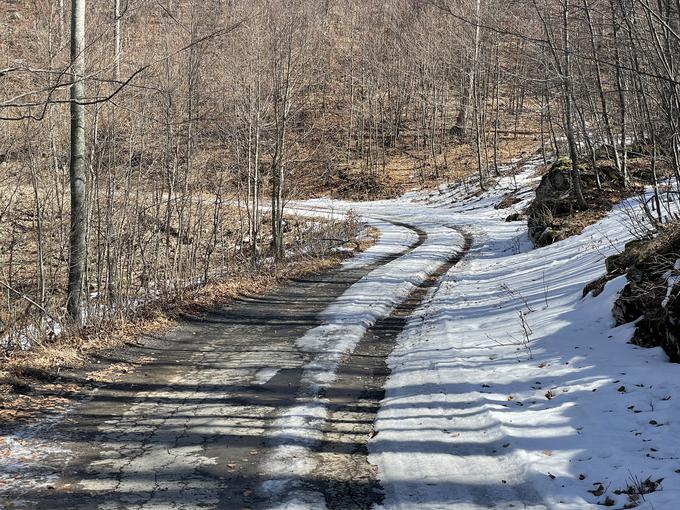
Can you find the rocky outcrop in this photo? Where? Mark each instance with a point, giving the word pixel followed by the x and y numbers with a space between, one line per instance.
pixel 652 296
pixel 553 198
pixel 555 214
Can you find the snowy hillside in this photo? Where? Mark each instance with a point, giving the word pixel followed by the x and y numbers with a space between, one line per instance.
pixel 510 390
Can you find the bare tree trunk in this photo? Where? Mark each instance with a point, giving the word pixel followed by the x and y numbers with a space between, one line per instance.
pixel 463 114
pixel 77 174
pixel 116 39
pixel 283 70
pixel 62 15
pixel 568 108
pixel 567 84
pixel 497 100
pixel 600 89
pixel 622 97
pixel 551 124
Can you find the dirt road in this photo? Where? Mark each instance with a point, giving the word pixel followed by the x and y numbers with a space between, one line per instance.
pixel 207 423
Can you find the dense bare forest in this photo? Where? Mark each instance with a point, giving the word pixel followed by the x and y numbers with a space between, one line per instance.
pixel 339 254
pixel 149 147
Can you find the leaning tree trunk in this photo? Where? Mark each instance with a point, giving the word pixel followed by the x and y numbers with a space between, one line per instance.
pixel 77 175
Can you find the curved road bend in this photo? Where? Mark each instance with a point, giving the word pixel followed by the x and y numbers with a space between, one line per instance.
pixel 190 429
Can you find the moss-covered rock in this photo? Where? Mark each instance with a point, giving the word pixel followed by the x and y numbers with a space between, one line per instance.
pixel 631 255
pixel 553 199
pixel 555 187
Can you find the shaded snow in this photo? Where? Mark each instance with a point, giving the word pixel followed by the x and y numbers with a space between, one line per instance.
pixel 473 419
pixel 477 415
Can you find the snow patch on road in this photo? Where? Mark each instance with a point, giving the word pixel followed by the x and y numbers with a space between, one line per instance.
pixel 345 321
pixel 264 375
pixel 391 242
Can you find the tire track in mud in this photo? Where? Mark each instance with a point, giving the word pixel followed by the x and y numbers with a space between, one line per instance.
pixel 344 476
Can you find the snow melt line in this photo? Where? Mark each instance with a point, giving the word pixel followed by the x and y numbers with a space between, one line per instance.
pixel 345 322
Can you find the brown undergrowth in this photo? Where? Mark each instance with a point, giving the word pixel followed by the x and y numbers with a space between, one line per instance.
pixel 38 369
pixel 404 170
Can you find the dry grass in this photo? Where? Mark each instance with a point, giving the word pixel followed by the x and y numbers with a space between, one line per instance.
pixel 406 170
pixel 600 205
pixel 40 367
pixel 665 245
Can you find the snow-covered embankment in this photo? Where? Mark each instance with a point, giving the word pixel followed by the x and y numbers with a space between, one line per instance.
pixel 510 390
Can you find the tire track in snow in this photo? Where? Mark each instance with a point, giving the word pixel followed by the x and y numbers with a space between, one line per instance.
pixel 348 480
pixel 295 479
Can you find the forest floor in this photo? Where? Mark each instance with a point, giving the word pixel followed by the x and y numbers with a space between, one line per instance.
pixel 448 366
